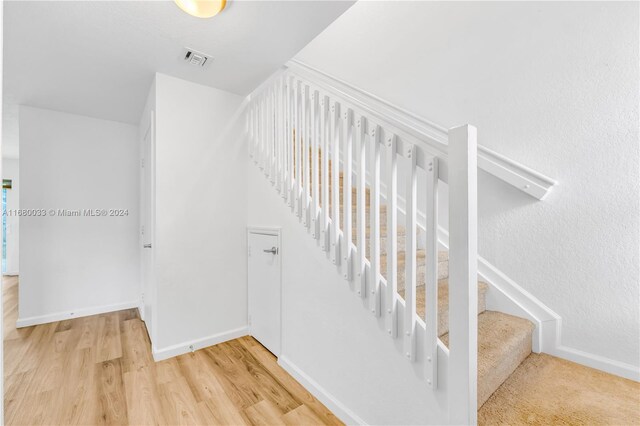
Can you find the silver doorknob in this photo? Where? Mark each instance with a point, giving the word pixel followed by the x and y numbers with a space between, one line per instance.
pixel 272 250
pixel 147 246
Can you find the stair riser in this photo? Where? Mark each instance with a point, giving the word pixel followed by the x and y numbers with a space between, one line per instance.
pixel 443 314
pixel 383 243
pixel 443 303
pixel 421 269
pixel 489 383
pixel 443 269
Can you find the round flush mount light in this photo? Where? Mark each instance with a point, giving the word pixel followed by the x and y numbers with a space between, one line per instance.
pixel 202 8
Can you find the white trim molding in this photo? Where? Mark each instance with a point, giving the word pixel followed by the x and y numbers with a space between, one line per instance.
pixel 194 345
pixel 434 137
pixel 338 408
pixel 598 362
pixel 76 313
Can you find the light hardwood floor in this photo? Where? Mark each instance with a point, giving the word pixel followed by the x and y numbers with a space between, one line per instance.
pixel 99 370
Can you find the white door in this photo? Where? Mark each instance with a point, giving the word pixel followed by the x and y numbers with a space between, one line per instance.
pixel 264 289
pixel 147 224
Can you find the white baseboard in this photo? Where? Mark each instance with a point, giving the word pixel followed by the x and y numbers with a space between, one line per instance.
pixel 194 345
pixel 336 407
pixel 76 313
pixel 10 273
pixel 598 362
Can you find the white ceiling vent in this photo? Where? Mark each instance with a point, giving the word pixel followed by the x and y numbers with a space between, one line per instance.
pixel 196 58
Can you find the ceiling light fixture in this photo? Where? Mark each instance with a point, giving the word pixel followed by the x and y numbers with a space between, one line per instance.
pixel 202 8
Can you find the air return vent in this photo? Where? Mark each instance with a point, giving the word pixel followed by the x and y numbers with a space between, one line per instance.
pixel 195 58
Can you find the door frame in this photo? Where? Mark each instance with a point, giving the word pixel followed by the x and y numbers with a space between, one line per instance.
pixel 148 283
pixel 274 231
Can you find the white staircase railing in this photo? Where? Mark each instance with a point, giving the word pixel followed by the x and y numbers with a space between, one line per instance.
pixel 307 139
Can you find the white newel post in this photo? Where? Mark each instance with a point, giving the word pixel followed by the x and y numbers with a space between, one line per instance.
pixel 463 282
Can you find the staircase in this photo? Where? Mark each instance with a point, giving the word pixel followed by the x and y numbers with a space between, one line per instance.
pixel 504 341
pixel 325 157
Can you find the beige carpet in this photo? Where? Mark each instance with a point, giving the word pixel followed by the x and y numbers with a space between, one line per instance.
pixel 545 390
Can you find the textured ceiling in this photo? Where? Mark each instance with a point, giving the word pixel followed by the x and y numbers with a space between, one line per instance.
pixel 98 58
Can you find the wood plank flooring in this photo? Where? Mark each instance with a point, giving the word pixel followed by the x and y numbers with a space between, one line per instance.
pixel 99 370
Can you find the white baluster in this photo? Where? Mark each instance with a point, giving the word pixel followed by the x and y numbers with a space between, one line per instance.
pixel 267 136
pixel 298 149
pixel 431 279
pixel 250 128
pixel 324 143
pixel 361 278
pixel 391 298
pixel 315 146
pixel 258 118
pixel 260 136
pixel 463 275
pixel 347 177
pixel 410 256
pixel 271 125
pixel 290 156
pixel 254 129
pixel 274 135
pixel 256 155
pixel 335 180
pixel 276 151
pixel 305 155
pixel 374 214
pixel 281 136
pixel 263 136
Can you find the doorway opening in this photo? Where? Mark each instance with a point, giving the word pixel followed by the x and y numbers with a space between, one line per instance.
pixel 6 185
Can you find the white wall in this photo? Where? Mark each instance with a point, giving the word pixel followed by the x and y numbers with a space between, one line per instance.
pixel 553 86
pixel 73 266
pixel 1 295
pixel 201 206
pixel 10 170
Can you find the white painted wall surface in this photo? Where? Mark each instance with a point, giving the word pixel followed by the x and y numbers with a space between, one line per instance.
pixel 201 219
pixel 553 86
pixel 1 141
pixel 74 266
pixel 329 334
pixel 10 170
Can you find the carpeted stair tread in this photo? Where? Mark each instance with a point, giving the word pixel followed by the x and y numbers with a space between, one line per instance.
pixel 546 390
pixel 504 341
pixel 443 302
